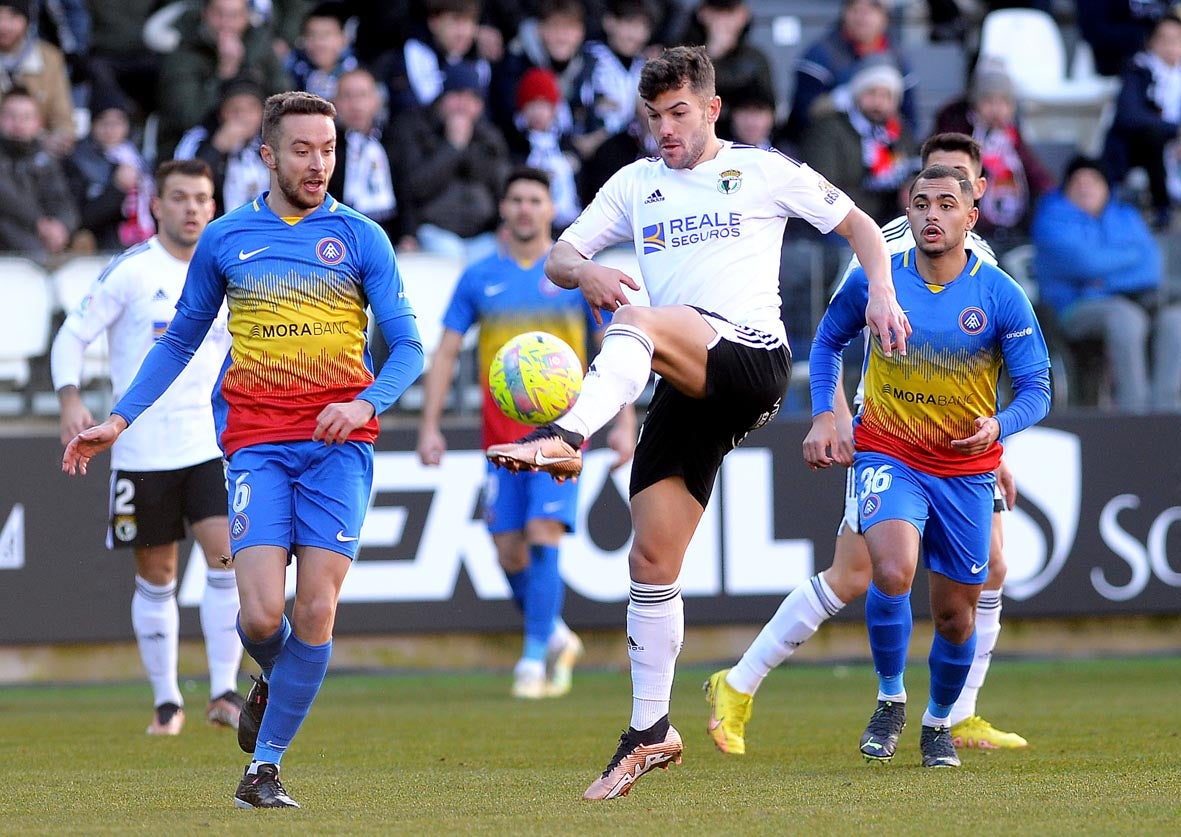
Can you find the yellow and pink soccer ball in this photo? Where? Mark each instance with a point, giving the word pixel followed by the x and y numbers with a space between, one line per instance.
pixel 535 378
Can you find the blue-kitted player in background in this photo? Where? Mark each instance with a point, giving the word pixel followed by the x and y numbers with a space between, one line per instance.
pixel 927 443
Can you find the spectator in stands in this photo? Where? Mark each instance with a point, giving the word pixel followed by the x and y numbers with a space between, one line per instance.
pixel 860 32
pixel 229 143
pixel 723 28
pixel 363 177
pixel 616 152
pixel 1016 175
pixel 552 40
pixel 39 68
pixel 38 215
pixel 537 140
pixel 453 163
pixel 119 62
pixel 110 180
pixel 323 54
pixel 217 46
pixel 1147 123
pixel 414 74
pixel 752 116
pixel 861 143
pixel 1099 269
pixel 1118 29
pixel 607 89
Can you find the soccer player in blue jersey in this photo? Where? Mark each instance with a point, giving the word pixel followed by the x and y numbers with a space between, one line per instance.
pixel 526 513
pixel 296 409
pixel 927 443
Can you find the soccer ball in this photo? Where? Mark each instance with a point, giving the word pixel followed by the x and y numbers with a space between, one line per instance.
pixel 535 378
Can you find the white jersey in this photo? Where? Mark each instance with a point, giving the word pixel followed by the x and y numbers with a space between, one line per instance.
pixel 711 236
pixel 133 300
pixel 900 238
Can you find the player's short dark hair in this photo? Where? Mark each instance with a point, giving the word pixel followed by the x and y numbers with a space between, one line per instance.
pixel 952 142
pixel 634 9
pixel 188 168
pixel 940 172
pixel 529 173
pixel 675 67
pixel 293 102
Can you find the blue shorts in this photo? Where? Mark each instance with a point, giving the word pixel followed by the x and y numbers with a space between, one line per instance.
pixel 511 500
pixel 953 514
pixel 290 494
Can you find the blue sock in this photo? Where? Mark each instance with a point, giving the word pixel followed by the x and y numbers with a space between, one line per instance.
pixel 889 621
pixel 296 680
pixel 949 670
pixel 519 584
pixel 544 598
pixel 265 651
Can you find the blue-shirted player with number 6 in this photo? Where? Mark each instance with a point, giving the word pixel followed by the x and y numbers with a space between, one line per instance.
pixel 927 443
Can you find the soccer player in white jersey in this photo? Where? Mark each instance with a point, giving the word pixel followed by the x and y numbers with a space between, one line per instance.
pixel 707 220
pixel 168 468
pixel 730 692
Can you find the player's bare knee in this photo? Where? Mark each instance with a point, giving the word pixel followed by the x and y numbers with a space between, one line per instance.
pixel 997 570
pixel 648 567
pixel 258 624
pixel 893 579
pixel 851 569
pixel 954 623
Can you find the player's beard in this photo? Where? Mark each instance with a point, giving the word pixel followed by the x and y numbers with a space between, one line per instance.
pixel 294 195
pixel 692 147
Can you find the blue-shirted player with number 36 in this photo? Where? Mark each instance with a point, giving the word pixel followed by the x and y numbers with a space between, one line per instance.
pixel 927 443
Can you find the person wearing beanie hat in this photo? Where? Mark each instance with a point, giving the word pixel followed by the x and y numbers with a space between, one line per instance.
pixel 1017 177
pixel 39 67
pixel 110 177
pixel 1099 269
pixel 451 162
pixel 860 34
pixel 861 143
pixel 229 140
pixel 538 83
pixel 539 140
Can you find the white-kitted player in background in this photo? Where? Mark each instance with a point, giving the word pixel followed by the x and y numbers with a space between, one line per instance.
pixel 166 469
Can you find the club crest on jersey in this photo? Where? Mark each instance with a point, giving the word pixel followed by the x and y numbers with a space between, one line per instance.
pixel 870 506
pixel 330 250
pixel 729 181
pixel 654 241
pixel 973 320
pixel 239 526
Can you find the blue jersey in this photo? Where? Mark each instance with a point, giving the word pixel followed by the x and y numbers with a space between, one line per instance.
pixel 297 292
pixel 916 404
pixel 507 298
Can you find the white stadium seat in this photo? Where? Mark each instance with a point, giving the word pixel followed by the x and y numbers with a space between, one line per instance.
pixel 25 334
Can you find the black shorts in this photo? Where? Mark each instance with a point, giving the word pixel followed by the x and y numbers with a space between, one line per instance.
pixel 149 508
pixel 688 437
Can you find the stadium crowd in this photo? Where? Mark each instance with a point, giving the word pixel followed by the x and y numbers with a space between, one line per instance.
pixel 438 99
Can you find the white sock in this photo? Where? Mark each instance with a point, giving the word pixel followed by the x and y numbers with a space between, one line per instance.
pixel 558 637
pixel 988 627
pixel 155 619
pixel 799 616
pixel 930 720
pixel 655 634
pixel 617 376
pixel 219 616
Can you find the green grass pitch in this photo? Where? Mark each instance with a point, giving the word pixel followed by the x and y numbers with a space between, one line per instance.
pixel 454 754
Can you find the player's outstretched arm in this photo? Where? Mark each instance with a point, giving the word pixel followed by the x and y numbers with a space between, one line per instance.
pixel 883 314
pixel 91 442
pixel 602 287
